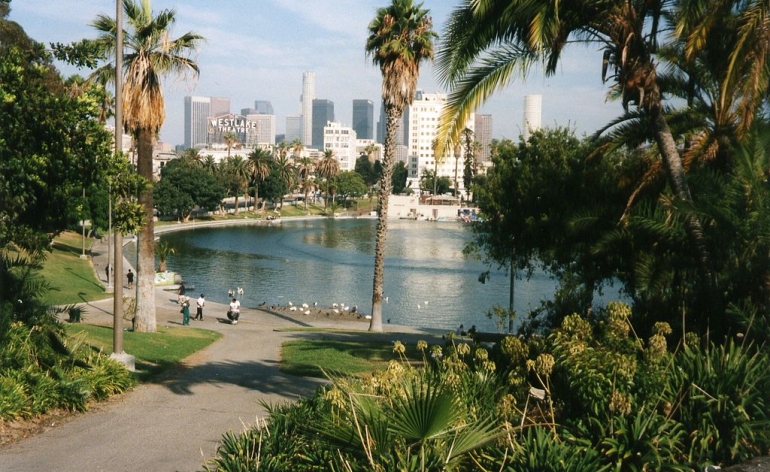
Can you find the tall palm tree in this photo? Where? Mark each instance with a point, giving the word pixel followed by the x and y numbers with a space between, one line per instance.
pixel 239 169
pixel 372 152
pixel 260 169
pixel 296 149
pixel 486 41
pixel 209 163
pixel 400 38
pixel 304 166
pixel 230 139
pixel 286 172
pixel 151 54
pixel 328 168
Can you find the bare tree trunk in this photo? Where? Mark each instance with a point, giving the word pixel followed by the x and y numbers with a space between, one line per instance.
pixel 393 114
pixel 145 271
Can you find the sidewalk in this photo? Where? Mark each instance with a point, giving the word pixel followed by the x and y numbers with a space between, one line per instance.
pixel 174 424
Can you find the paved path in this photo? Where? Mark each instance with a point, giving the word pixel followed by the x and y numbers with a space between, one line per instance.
pixel 172 425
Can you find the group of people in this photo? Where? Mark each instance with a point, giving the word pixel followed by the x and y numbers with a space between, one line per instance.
pixel 233 313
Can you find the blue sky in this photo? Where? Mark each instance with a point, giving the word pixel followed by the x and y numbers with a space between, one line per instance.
pixel 258 50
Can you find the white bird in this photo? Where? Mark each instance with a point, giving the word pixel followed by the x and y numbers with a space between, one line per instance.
pixel 386 299
pixel 305 306
pixel 345 308
pixel 315 303
pixel 426 302
pixel 294 308
pixel 307 312
pixel 231 293
pixel 418 306
pixel 291 304
pixel 335 310
pixel 334 305
pixel 240 291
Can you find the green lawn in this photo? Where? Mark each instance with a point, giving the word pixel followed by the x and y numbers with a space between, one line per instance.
pixel 155 353
pixel 72 279
pixel 346 353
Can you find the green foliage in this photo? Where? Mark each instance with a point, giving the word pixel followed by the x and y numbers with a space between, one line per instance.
pixel 538 449
pixel 349 185
pixel 428 183
pixel 400 174
pixel 185 184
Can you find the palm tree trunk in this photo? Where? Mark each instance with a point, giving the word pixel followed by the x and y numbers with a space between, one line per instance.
pixel 145 271
pixel 393 114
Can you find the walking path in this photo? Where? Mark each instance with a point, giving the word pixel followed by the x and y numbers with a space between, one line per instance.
pixel 174 424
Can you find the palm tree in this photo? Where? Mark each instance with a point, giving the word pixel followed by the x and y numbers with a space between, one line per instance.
pixel 400 38
pixel 260 169
pixel 372 152
pixel 328 168
pixel 488 40
pixel 209 163
pixel 163 249
pixel 151 54
pixel 230 139
pixel 286 172
pixel 296 149
pixel 238 167
pixel 304 168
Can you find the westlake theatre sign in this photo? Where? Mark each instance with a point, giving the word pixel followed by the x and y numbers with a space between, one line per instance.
pixel 232 124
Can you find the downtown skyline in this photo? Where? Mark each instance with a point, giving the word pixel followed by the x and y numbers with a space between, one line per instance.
pixel 259 51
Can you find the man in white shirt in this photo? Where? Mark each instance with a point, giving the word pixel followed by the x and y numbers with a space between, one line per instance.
pixel 199 310
pixel 235 311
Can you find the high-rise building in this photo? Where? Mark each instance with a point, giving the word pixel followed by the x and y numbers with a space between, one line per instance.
pixel 293 128
pixel 341 140
pixel 363 118
pixel 323 113
pixel 422 122
pixel 264 107
pixel 263 135
pixel 483 135
pixel 532 114
pixel 196 112
pixel 308 95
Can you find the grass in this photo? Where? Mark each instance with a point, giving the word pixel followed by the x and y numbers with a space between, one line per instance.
pixel 344 353
pixel 71 278
pixel 155 353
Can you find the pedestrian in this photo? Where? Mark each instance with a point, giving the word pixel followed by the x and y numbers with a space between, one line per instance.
pixel 130 277
pixel 185 310
pixel 107 271
pixel 180 293
pixel 199 308
pixel 235 311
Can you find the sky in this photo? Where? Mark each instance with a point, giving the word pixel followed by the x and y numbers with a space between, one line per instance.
pixel 258 50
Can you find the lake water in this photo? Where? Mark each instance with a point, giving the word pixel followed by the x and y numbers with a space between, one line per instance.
pixel 428 280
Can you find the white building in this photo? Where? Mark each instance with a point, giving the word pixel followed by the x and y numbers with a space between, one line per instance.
pixel 264 135
pixel 422 119
pixel 342 141
pixel 532 114
pixel 308 94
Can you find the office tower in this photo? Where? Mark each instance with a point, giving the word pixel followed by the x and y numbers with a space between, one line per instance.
pixel 220 106
pixel 308 94
pixel 363 118
pixel 196 112
pixel 532 114
pixel 323 113
pixel 483 135
pixel 264 107
pixel 422 122
pixel 293 128
pixel 262 133
pixel 341 140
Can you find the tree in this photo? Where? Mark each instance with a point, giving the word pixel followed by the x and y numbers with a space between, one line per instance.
pixel 482 47
pixel 151 54
pixel 260 169
pixel 230 139
pixel 365 168
pixel 185 185
pixel 400 174
pixel 274 186
pixel 350 185
pixel 239 172
pixel 435 186
pixel 304 168
pixel 328 168
pixel 286 173
pixel 400 39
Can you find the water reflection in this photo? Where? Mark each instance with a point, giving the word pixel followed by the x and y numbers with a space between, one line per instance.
pixel 428 280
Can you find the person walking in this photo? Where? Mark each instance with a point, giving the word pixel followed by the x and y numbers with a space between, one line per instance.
pixel 185 310
pixel 199 308
pixel 235 311
pixel 180 293
pixel 130 278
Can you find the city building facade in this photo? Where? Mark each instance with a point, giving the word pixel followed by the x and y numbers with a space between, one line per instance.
pixel 341 140
pixel 308 95
pixel 363 118
pixel 323 113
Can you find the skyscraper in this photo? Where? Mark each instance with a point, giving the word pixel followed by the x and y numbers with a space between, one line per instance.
pixel 293 128
pixel 532 114
pixel 363 118
pixel 196 112
pixel 220 106
pixel 264 107
pixel 308 94
pixel 323 113
pixel 483 135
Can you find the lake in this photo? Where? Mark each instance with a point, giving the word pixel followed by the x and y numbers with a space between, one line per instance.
pixel 429 282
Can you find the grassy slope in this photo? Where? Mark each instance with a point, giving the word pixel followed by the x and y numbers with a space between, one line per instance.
pixel 71 278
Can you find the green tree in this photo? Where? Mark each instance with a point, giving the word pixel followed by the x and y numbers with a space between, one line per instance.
pixel 400 174
pixel 328 168
pixel 435 186
pixel 400 38
pixel 230 139
pixel 274 186
pixel 238 170
pixel 483 47
pixel 349 185
pixel 151 53
pixel 304 168
pixel 185 185
pixel 365 168
pixel 260 168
